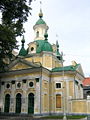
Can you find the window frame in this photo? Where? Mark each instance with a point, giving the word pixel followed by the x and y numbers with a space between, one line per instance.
pixel 57 84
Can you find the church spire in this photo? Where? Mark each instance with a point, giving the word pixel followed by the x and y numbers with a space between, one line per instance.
pixel 58 54
pixel 40 14
pixel 23 41
pixel 22 51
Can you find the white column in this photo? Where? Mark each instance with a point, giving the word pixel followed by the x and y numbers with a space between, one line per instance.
pixel 12 99
pixel 37 99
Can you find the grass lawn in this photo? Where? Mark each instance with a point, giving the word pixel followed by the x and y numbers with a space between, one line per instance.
pixel 53 117
pixel 68 117
pixel 76 116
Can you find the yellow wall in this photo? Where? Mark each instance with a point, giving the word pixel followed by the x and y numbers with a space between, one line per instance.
pixel 47 61
pixel 71 87
pixel 79 106
pixel 45 97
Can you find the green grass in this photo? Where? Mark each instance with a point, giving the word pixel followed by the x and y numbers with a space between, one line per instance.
pixel 53 117
pixel 76 116
pixel 61 116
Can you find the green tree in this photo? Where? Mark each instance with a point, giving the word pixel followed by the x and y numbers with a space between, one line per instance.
pixel 14 14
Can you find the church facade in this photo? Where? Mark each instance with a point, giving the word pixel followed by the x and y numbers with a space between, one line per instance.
pixel 36 81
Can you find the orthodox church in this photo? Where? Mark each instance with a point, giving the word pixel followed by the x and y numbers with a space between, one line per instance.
pixel 36 81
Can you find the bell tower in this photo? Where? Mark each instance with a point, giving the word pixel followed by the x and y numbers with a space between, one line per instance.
pixel 40 27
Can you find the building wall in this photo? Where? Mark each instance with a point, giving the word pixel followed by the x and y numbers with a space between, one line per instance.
pixel 24 90
pixel 47 60
pixel 47 92
pixel 80 106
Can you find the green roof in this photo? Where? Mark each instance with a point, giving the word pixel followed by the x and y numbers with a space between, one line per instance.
pixel 43 45
pixel 66 68
pixel 40 21
pixel 22 52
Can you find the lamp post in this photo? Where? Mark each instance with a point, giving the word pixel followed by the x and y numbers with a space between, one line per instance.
pixel 64 96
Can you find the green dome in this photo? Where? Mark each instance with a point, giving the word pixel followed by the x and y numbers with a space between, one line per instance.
pixel 47 46
pixel 40 21
pixel 43 45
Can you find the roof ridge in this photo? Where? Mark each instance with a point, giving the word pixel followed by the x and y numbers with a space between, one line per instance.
pixel 65 68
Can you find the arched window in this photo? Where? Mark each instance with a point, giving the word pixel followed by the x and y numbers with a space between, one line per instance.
pixel 58 101
pixel 18 103
pixel 31 103
pixel 37 34
pixel 7 103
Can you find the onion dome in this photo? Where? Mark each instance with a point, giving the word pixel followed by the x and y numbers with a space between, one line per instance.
pixel 40 21
pixel 43 45
pixel 22 51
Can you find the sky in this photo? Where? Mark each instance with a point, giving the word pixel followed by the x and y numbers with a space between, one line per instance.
pixel 69 23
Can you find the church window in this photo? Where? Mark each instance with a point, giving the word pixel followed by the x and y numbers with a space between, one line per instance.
pixel 7 103
pixel 19 85
pixel 32 48
pixel 37 34
pixel 76 82
pixel 24 80
pixel 3 83
pixel 37 79
pixel 18 103
pixel 58 101
pixel 8 86
pixel 13 81
pixel 31 84
pixel 58 85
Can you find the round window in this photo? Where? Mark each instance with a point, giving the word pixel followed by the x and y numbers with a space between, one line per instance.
pixel 32 48
pixel 19 85
pixel 8 86
pixel 31 84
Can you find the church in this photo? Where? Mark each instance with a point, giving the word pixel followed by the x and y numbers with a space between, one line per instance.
pixel 36 82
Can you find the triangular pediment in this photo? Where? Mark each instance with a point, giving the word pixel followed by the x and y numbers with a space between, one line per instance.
pixel 20 64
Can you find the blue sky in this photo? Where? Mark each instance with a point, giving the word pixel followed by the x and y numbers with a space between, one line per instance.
pixel 70 20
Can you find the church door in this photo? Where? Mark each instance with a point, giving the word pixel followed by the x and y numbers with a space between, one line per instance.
pixel 31 103
pixel 18 103
pixel 7 103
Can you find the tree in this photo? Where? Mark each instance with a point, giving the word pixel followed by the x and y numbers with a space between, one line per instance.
pixel 14 14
